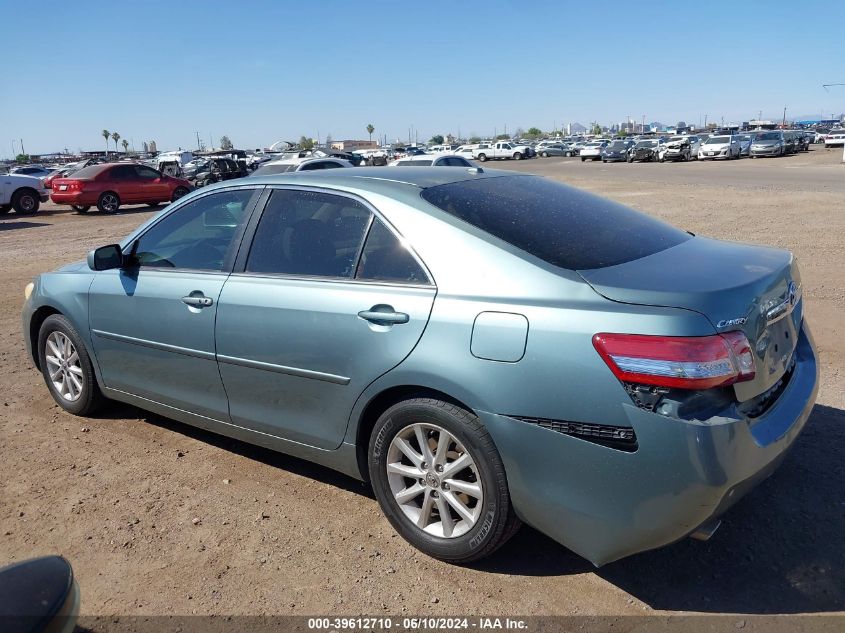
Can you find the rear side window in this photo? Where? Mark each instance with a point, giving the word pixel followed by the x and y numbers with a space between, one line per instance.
pixel 385 258
pixel 561 225
pixel 308 233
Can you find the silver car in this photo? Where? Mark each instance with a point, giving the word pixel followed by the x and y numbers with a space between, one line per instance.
pixel 486 348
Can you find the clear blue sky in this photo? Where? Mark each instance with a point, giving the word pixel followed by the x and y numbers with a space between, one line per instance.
pixel 266 70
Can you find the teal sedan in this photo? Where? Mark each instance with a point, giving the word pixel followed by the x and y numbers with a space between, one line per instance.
pixel 485 348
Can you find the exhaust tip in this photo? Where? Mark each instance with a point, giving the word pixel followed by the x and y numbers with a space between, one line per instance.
pixel 705 531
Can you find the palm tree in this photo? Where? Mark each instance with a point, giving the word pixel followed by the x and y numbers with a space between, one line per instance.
pixel 370 130
pixel 115 137
pixel 106 135
pixel 125 144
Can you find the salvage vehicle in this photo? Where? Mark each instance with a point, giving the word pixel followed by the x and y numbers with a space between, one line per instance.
pixel 110 185
pixel 680 148
pixel 616 150
pixel 216 169
pixel 299 164
pixel 593 150
pixel 768 143
pixel 22 193
pixel 501 151
pixel 431 160
pixel 723 146
pixel 647 150
pixel 484 347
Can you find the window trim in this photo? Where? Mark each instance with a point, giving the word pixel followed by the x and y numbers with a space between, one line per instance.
pixel 248 237
pixel 237 239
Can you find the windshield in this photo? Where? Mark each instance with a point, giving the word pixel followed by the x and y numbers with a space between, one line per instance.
pixel 617 145
pixel 267 170
pixel 561 225
pixel 768 136
pixel 647 144
pixel 717 140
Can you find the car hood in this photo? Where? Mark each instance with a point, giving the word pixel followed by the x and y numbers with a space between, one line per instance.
pixel 73 267
pixel 736 286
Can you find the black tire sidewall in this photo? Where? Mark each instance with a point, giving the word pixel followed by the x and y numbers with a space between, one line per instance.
pixel 174 197
pixel 100 202
pixel 484 537
pixel 89 400
pixel 16 202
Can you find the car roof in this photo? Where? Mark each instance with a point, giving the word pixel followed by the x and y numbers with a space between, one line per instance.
pixel 380 179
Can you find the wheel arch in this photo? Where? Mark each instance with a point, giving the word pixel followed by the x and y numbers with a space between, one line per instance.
pixel 380 403
pixel 35 322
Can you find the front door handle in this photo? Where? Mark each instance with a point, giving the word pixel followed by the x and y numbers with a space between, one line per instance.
pixel 197 301
pixel 383 315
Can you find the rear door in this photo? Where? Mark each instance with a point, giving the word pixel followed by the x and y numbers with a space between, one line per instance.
pixel 307 320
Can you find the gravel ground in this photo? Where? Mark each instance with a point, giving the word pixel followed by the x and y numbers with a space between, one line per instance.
pixel 141 507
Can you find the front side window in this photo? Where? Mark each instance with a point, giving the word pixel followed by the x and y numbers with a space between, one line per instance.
pixel 146 173
pixel 197 236
pixel 308 233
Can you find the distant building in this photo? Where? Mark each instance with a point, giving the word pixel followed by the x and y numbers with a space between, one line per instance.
pixel 351 145
pixel 152 147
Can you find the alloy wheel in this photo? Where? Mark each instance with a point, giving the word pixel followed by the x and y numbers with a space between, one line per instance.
pixel 434 480
pixel 110 203
pixel 64 366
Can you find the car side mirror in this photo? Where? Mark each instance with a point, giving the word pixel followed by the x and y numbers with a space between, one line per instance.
pixel 105 257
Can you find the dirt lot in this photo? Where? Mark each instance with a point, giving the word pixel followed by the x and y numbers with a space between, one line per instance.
pixel 116 495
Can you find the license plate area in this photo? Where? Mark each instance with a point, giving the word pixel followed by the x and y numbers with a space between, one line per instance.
pixel 62 187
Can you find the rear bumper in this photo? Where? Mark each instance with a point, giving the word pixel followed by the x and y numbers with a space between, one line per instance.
pixel 606 504
pixel 79 198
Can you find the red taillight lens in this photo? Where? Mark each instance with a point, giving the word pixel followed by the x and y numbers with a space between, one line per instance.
pixel 683 362
pixel 74 185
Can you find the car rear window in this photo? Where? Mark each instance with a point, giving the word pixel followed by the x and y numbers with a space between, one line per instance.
pixel 561 225
pixel 92 171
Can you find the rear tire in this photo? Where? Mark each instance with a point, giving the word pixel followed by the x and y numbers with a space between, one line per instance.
pixel 482 521
pixel 583 159
pixel 482 157
pixel 108 202
pixel 517 156
pixel 544 154
pixel 69 373
pixel 25 202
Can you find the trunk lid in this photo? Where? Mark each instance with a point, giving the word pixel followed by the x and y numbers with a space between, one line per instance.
pixel 736 286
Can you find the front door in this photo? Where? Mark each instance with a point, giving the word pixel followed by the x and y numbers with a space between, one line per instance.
pixel 152 322
pixel 308 320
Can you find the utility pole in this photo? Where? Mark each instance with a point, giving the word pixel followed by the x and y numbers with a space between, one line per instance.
pixel 199 145
pixel 784 119
pixel 705 121
pixel 642 129
pixel 13 149
pixel 23 151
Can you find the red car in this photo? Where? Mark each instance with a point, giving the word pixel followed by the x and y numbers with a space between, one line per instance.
pixel 110 185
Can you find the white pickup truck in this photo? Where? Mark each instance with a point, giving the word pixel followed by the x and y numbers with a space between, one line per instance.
pixel 503 150
pixel 22 193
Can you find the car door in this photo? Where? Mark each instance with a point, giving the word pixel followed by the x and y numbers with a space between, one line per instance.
pixel 123 180
pixel 306 321
pixel 152 322
pixel 151 188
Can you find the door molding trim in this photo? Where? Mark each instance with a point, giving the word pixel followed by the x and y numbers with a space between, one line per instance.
pixel 154 345
pixel 281 369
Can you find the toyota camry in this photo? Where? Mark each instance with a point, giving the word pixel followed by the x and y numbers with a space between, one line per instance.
pixel 485 348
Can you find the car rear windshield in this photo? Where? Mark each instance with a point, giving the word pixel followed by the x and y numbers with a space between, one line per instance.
pixel 561 225
pixel 91 171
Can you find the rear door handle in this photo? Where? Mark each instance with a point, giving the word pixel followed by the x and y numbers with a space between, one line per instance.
pixel 197 301
pixel 383 315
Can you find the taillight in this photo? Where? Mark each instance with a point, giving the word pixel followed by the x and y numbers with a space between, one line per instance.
pixel 683 362
pixel 74 185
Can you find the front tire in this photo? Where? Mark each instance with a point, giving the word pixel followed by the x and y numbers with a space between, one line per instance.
pixel 482 157
pixel 80 208
pixel 67 368
pixel 517 156
pixel 25 202
pixel 544 154
pixel 179 192
pixel 108 202
pixel 440 480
